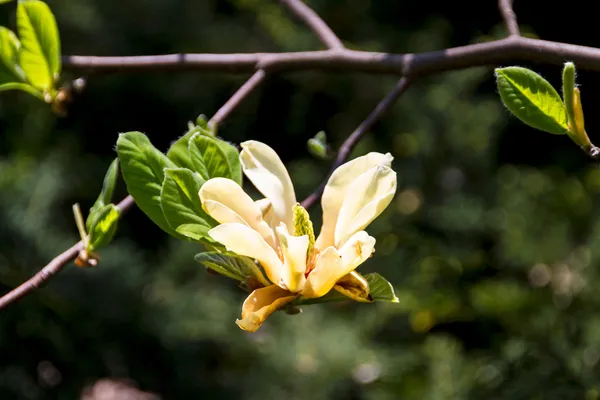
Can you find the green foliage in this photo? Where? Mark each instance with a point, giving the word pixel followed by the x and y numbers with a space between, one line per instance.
pixel 169 194
pixel 213 158
pixel 231 265
pixel 9 58
pixel 39 54
pixel 532 99
pixel 143 168
pixel 317 145
pixel 181 204
pixel 108 187
pixel 380 289
pixel 103 226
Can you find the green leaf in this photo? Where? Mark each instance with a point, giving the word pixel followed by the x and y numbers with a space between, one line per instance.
pixel 5 1
pixel 208 157
pixel 10 72
pixel 179 153
pixel 103 227
pixel 39 55
pixel 231 265
pixel 143 167
pixel 108 187
pixel 233 158
pixel 22 86
pixel 532 99
pixel 380 289
pixel 181 204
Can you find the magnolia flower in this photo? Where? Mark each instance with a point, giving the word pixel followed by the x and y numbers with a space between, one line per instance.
pixel 277 232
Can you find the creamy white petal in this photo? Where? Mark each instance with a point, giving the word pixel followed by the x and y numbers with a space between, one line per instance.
pixel 245 241
pixel 294 250
pixel 367 197
pixel 264 168
pixel 337 188
pixel 266 208
pixel 225 201
pixel 323 277
pixel 332 265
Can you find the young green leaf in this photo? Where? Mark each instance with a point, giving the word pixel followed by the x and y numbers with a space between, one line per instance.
pixel 208 157
pixel 103 227
pixel 179 153
pixel 39 55
pixel 10 72
pixel 143 167
pixel 532 99
pixel 108 187
pixel 231 265
pixel 380 289
pixel 181 204
pixel 233 158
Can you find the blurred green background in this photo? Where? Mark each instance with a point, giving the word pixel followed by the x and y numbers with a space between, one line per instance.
pixel 492 241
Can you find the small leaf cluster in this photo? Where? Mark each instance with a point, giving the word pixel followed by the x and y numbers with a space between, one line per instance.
pixel 166 186
pixel 31 61
pixel 535 102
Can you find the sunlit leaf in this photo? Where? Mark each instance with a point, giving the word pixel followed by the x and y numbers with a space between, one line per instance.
pixel 181 204
pixel 39 54
pixel 230 265
pixel 208 157
pixel 103 226
pixel 108 187
pixel 143 167
pixel 380 289
pixel 532 99
pixel 10 71
pixel 179 153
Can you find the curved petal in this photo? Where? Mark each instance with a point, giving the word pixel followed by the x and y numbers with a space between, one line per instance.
pixel 267 211
pixel 337 187
pixel 260 304
pixel 319 279
pixel 354 286
pixel 332 264
pixel 245 241
pixel 225 201
pixel 266 171
pixel 294 250
pixel 367 197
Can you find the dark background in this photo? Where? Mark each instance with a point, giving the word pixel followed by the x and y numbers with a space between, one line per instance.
pixel 492 241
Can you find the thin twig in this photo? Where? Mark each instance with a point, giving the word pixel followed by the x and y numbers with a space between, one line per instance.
pixel 352 140
pixel 53 267
pixel 509 17
pixel 314 23
pixel 235 100
pixel 514 48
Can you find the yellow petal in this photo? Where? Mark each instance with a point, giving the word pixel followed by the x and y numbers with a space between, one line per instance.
pixel 354 286
pixel 294 250
pixel 367 197
pixel 332 264
pixel 245 241
pixel 266 171
pixel 337 187
pixel 260 304
pixel 225 201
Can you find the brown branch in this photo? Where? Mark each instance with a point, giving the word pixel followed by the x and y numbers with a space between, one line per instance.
pixel 235 100
pixel 352 140
pixel 509 17
pixel 314 23
pixel 514 48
